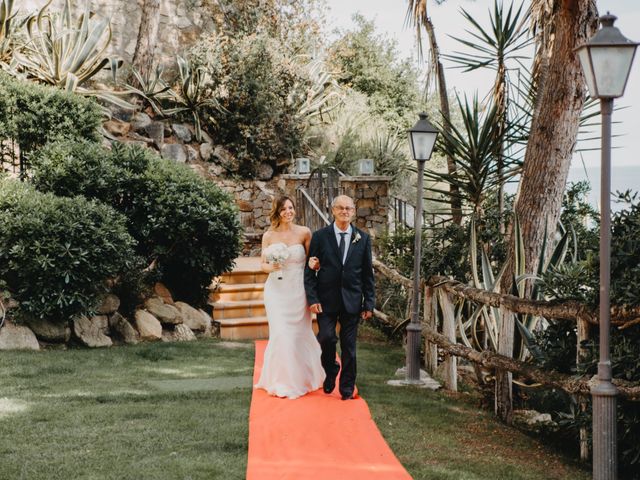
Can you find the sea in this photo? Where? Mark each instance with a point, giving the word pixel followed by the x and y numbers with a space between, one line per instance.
pixel 625 177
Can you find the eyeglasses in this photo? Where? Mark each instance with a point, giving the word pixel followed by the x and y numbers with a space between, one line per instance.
pixel 339 207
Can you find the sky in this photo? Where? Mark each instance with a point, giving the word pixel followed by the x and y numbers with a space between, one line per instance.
pixel 389 17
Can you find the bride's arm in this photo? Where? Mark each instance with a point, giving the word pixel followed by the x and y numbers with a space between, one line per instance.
pixel 313 262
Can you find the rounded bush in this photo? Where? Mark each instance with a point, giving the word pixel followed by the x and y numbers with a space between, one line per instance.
pixel 56 254
pixel 33 114
pixel 185 225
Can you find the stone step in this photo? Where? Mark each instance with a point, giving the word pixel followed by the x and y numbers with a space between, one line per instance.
pixel 244 328
pixel 240 291
pixel 236 278
pixel 238 309
pixel 248 328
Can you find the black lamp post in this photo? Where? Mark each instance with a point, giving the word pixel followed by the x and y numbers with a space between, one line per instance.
pixel 423 138
pixel 606 61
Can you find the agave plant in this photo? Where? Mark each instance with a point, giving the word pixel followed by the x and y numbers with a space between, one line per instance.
pixel 524 286
pixel 150 86
pixel 7 32
pixel 67 53
pixel 192 95
pixel 318 97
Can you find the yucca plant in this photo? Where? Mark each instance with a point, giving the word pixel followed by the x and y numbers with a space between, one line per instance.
pixel 192 94
pixel 473 146
pixel 68 53
pixel 319 95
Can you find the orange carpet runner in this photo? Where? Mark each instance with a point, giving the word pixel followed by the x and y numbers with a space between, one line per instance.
pixel 317 436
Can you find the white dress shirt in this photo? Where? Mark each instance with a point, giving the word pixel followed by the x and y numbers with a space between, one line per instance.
pixel 347 239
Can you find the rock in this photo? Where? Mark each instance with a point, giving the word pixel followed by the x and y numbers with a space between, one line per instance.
pixel 123 328
pixel 533 420
pixel 148 326
pixel 264 171
pixel 110 303
pixel 244 206
pixel 155 130
pixel 182 132
pixel 50 331
pixel 174 151
pixel 140 139
pixel 116 127
pixel 215 170
pixel 163 292
pixel 226 159
pixel 181 333
pixel 192 154
pixel 17 337
pixel 205 137
pixel 206 151
pixel 91 331
pixel 191 317
pixel 163 312
pixel 209 330
pixel 124 114
pixel 140 121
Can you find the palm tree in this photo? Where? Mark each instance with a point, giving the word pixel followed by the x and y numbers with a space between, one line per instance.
pixel 417 14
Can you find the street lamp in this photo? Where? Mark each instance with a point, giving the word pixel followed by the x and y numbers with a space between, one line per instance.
pixel 423 138
pixel 606 61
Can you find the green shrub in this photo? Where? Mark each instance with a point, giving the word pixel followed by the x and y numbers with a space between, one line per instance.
pixel 57 253
pixel 256 81
pixel 34 115
pixel 185 225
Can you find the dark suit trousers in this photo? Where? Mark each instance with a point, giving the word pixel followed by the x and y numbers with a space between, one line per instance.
pixel 327 338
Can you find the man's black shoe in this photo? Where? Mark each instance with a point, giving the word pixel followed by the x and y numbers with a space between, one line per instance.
pixel 329 384
pixel 347 396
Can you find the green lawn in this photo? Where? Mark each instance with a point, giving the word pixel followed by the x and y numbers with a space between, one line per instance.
pixel 179 411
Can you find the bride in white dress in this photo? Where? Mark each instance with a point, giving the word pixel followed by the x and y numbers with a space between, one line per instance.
pixel 292 364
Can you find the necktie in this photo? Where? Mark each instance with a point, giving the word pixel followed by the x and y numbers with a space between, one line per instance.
pixel 342 246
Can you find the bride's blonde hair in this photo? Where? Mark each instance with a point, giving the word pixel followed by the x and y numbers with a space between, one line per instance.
pixel 276 207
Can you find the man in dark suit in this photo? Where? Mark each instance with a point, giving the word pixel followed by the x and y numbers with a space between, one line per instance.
pixel 342 290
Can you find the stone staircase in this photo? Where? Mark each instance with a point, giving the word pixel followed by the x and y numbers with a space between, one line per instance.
pixel 238 302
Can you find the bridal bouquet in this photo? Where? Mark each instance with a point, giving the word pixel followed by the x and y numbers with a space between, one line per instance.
pixel 277 253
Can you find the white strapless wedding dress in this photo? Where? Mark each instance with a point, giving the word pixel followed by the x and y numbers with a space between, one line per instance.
pixel 292 358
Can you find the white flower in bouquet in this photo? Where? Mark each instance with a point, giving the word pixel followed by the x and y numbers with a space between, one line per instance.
pixel 277 253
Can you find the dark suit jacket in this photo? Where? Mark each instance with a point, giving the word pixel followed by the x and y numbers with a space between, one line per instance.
pixel 353 282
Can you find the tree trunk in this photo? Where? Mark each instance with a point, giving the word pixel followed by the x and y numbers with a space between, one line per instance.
pixel 456 202
pixel 554 127
pixel 503 391
pixel 143 55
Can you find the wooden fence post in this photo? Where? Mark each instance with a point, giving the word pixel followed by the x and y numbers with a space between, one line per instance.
pixel 450 371
pixel 583 332
pixel 431 321
pixel 503 391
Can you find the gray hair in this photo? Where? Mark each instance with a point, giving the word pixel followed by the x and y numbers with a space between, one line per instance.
pixel 335 199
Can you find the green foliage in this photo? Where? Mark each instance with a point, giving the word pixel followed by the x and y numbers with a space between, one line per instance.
pixel 57 253
pixel 67 52
pixel 184 225
pixel 33 115
pixel 258 121
pixel 368 63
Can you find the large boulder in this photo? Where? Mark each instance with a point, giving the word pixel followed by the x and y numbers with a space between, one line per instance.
pixel 212 329
pixel 155 131
pixel 174 151
pixel 191 317
pixel 167 314
pixel 148 326
pixel 91 331
pixel 163 292
pixel 17 337
pixel 110 303
pixel 49 331
pixel 123 329
pixel 140 121
pixel 181 333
